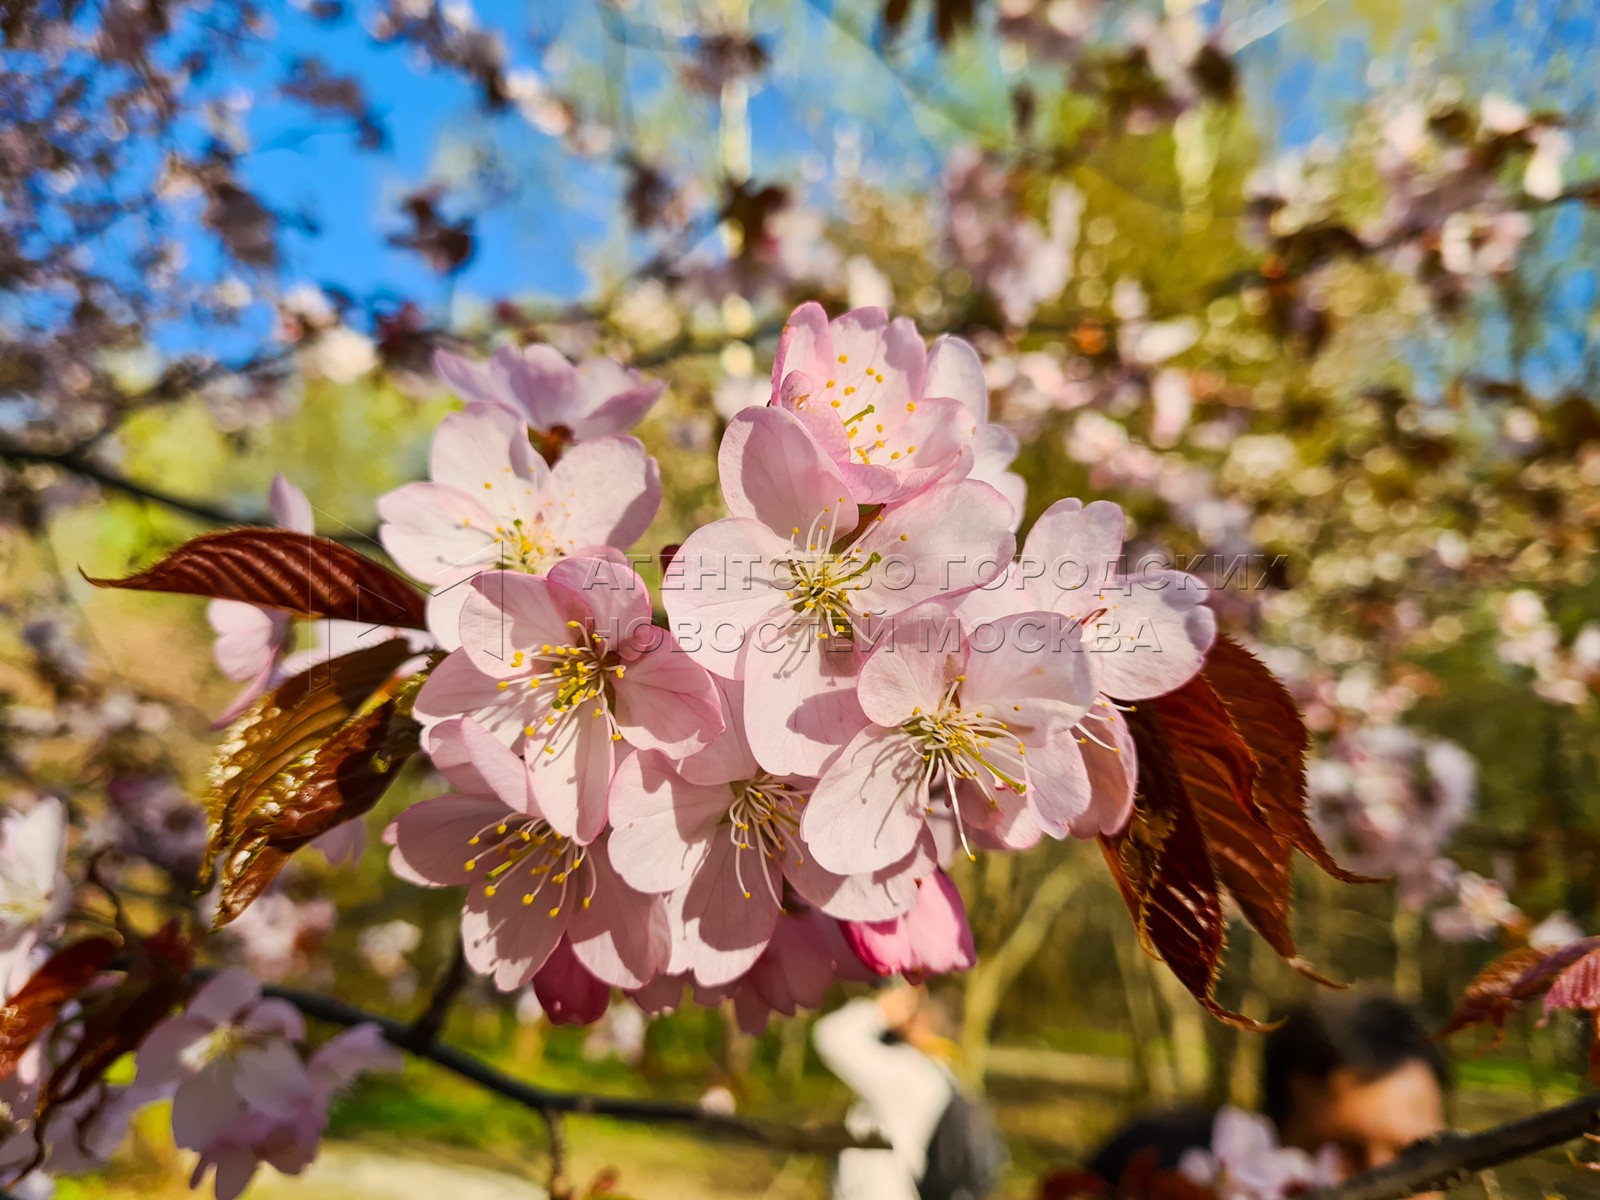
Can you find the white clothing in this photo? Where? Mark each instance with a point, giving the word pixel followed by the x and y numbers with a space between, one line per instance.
pixel 901 1094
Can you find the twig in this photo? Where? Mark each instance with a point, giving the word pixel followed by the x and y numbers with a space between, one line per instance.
pixel 1453 1158
pixel 803 1139
pixel 425 1029
pixel 558 1188
pixel 87 468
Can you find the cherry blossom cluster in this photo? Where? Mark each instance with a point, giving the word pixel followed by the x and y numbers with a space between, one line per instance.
pixel 749 779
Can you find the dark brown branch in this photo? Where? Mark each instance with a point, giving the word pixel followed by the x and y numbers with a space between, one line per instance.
pixel 796 1138
pixel 1450 1159
pixel 425 1029
pixel 86 468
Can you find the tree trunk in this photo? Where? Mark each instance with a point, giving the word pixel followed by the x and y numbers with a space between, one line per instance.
pixel 987 982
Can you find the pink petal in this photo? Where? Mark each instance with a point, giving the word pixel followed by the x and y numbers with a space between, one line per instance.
pixel 955 535
pixel 1113 774
pixel 912 669
pixel 721 583
pixel 571 770
pixel 867 810
pixel 800 702
pixel 772 471
pixel 511 612
pixel 728 757
pixel 931 939
pixel 661 823
pixel 290 508
pixel 509 940
pixel 954 370
pixel 437 534
pixel 878 896
pixel 726 916
pixel 1035 657
pixel 666 701
pixel 621 935
pixel 804 344
pixel 272 1079
pixel 546 386
pixel 602 493
pixel 202 1109
pixel 1162 630
pixel 471 381
pixel 248 638
pixel 621 412
pixel 617 600
pixel 229 993
pixel 1059 788
pixel 481 449
pixel 456 686
pixel 1072 551
pixel 478 763
pixel 430 840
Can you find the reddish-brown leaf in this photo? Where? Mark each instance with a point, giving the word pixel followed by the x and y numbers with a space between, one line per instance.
pixel 339 780
pixel 278 568
pixel 1265 717
pixel 34 1009
pixel 277 738
pixel 1512 980
pixel 156 981
pixel 1164 872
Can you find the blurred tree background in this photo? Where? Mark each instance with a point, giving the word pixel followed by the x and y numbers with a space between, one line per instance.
pixel 1308 287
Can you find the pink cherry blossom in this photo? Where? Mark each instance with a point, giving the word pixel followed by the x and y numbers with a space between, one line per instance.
pixel 528 885
pixel 779 593
pixel 1245 1161
pixel 931 938
pixel 807 954
pixel 882 408
pixel 289 1142
pixel 34 891
pixel 721 837
pixel 562 668
pixel 1148 633
pixel 230 1053
pixel 494 504
pixel 990 715
pixel 577 403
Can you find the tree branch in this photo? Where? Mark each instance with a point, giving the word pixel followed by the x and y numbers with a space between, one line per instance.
pixel 1453 1158
pixel 425 1029
pixel 796 1138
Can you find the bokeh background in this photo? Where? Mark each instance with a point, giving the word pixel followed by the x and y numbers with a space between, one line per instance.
pixel 1308 287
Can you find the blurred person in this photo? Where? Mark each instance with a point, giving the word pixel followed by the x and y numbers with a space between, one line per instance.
pixel 892 1050
pixel 1354 1071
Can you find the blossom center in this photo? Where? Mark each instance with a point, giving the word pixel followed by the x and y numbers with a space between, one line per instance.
pixel 528 547
pixel 568 680
pixel 821 581
pixel 764 818
pixel 525 853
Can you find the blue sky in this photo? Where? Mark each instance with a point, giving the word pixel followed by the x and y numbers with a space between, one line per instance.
pixel 1303 81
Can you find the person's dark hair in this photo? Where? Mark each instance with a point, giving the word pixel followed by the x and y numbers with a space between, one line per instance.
pixel 1368 1033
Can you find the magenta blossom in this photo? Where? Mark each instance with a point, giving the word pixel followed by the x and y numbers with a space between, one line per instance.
pixel 528 885
pixel 988 715
pixel 593 399
pixel 562 669
pixel 722 836
pixel 230 1053
pixel 932 938
pixel 883 409
pixel 779 594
